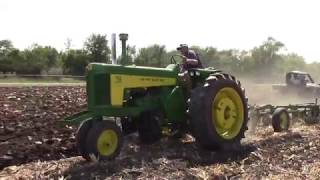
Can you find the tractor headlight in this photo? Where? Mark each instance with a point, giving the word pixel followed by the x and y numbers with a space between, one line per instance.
pixel 191 74
pixel 197 73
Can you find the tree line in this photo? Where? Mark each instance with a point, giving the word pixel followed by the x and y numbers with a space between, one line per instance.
pixel 265 60
pixel 39 59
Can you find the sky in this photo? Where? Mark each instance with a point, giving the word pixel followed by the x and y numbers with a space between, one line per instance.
pixel 224 24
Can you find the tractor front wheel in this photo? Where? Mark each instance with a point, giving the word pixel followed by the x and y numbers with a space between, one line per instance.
pixel 219 113
pixel 104 140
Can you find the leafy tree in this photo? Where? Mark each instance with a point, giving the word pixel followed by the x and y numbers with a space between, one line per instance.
pixel 75 62
pixel 131 55
pixel 266 54
pixel 96 46
pixel 291 62
pixel 36 59
pixel 16 58
pixel 209 57
pixel 52 55
pixel 247 63
pixel 6 48
pixel 262 61
pixel 152 56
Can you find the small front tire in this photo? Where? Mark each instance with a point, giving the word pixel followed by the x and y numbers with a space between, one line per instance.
pixel 104 140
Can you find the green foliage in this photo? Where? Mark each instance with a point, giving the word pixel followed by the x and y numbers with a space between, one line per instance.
pixel 6 49
pixel 29 61
pixel 152 56
pixel 74 62
pixel 266 54
pixel 263 61
pixel 291 62
pixel 131 53
pixel 96 46
pixel 35 59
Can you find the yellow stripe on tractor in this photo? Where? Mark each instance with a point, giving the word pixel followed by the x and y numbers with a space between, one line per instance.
pixel 120 82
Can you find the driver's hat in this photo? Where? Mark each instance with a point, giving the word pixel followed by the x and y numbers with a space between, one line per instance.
pixel 182 46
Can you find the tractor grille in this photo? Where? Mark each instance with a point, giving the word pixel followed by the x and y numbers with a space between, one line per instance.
pixel 102 89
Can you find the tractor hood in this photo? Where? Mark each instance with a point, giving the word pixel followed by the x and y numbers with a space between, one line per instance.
pixel 107 83
pixel 170 71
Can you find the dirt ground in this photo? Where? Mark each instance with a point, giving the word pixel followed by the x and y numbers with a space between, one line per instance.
pixel 33 145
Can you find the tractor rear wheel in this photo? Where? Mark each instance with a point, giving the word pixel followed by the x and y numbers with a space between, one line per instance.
pixel 219 113
pixel 280 120
pixel 104 140
pixel 149 127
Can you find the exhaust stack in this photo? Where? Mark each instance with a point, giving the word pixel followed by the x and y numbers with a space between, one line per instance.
pixel 123 38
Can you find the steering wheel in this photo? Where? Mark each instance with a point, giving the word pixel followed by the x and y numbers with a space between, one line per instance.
pixel 173 60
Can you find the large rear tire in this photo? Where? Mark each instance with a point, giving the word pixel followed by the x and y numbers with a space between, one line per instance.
pixel 219 113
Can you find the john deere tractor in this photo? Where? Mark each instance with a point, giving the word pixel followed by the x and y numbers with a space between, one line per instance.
pixel 128 99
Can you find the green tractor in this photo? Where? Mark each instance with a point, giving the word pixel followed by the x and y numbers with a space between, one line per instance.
pixel 127 99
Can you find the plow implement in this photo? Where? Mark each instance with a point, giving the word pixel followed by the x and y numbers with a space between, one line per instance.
pixel 281 116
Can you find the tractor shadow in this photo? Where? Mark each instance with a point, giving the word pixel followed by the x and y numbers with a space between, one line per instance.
pixel 135 157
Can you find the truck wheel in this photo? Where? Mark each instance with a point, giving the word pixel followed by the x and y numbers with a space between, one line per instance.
pixel 280 120
pixel 219 113
pixel 81 136
pixel 104 140
pixel 149 128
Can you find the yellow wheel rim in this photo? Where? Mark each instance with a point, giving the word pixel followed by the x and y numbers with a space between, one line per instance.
pixel 227 113
pixel 107 142
pixel 283 120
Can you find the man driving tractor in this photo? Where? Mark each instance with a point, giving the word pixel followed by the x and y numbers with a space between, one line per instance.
pixel 189 60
